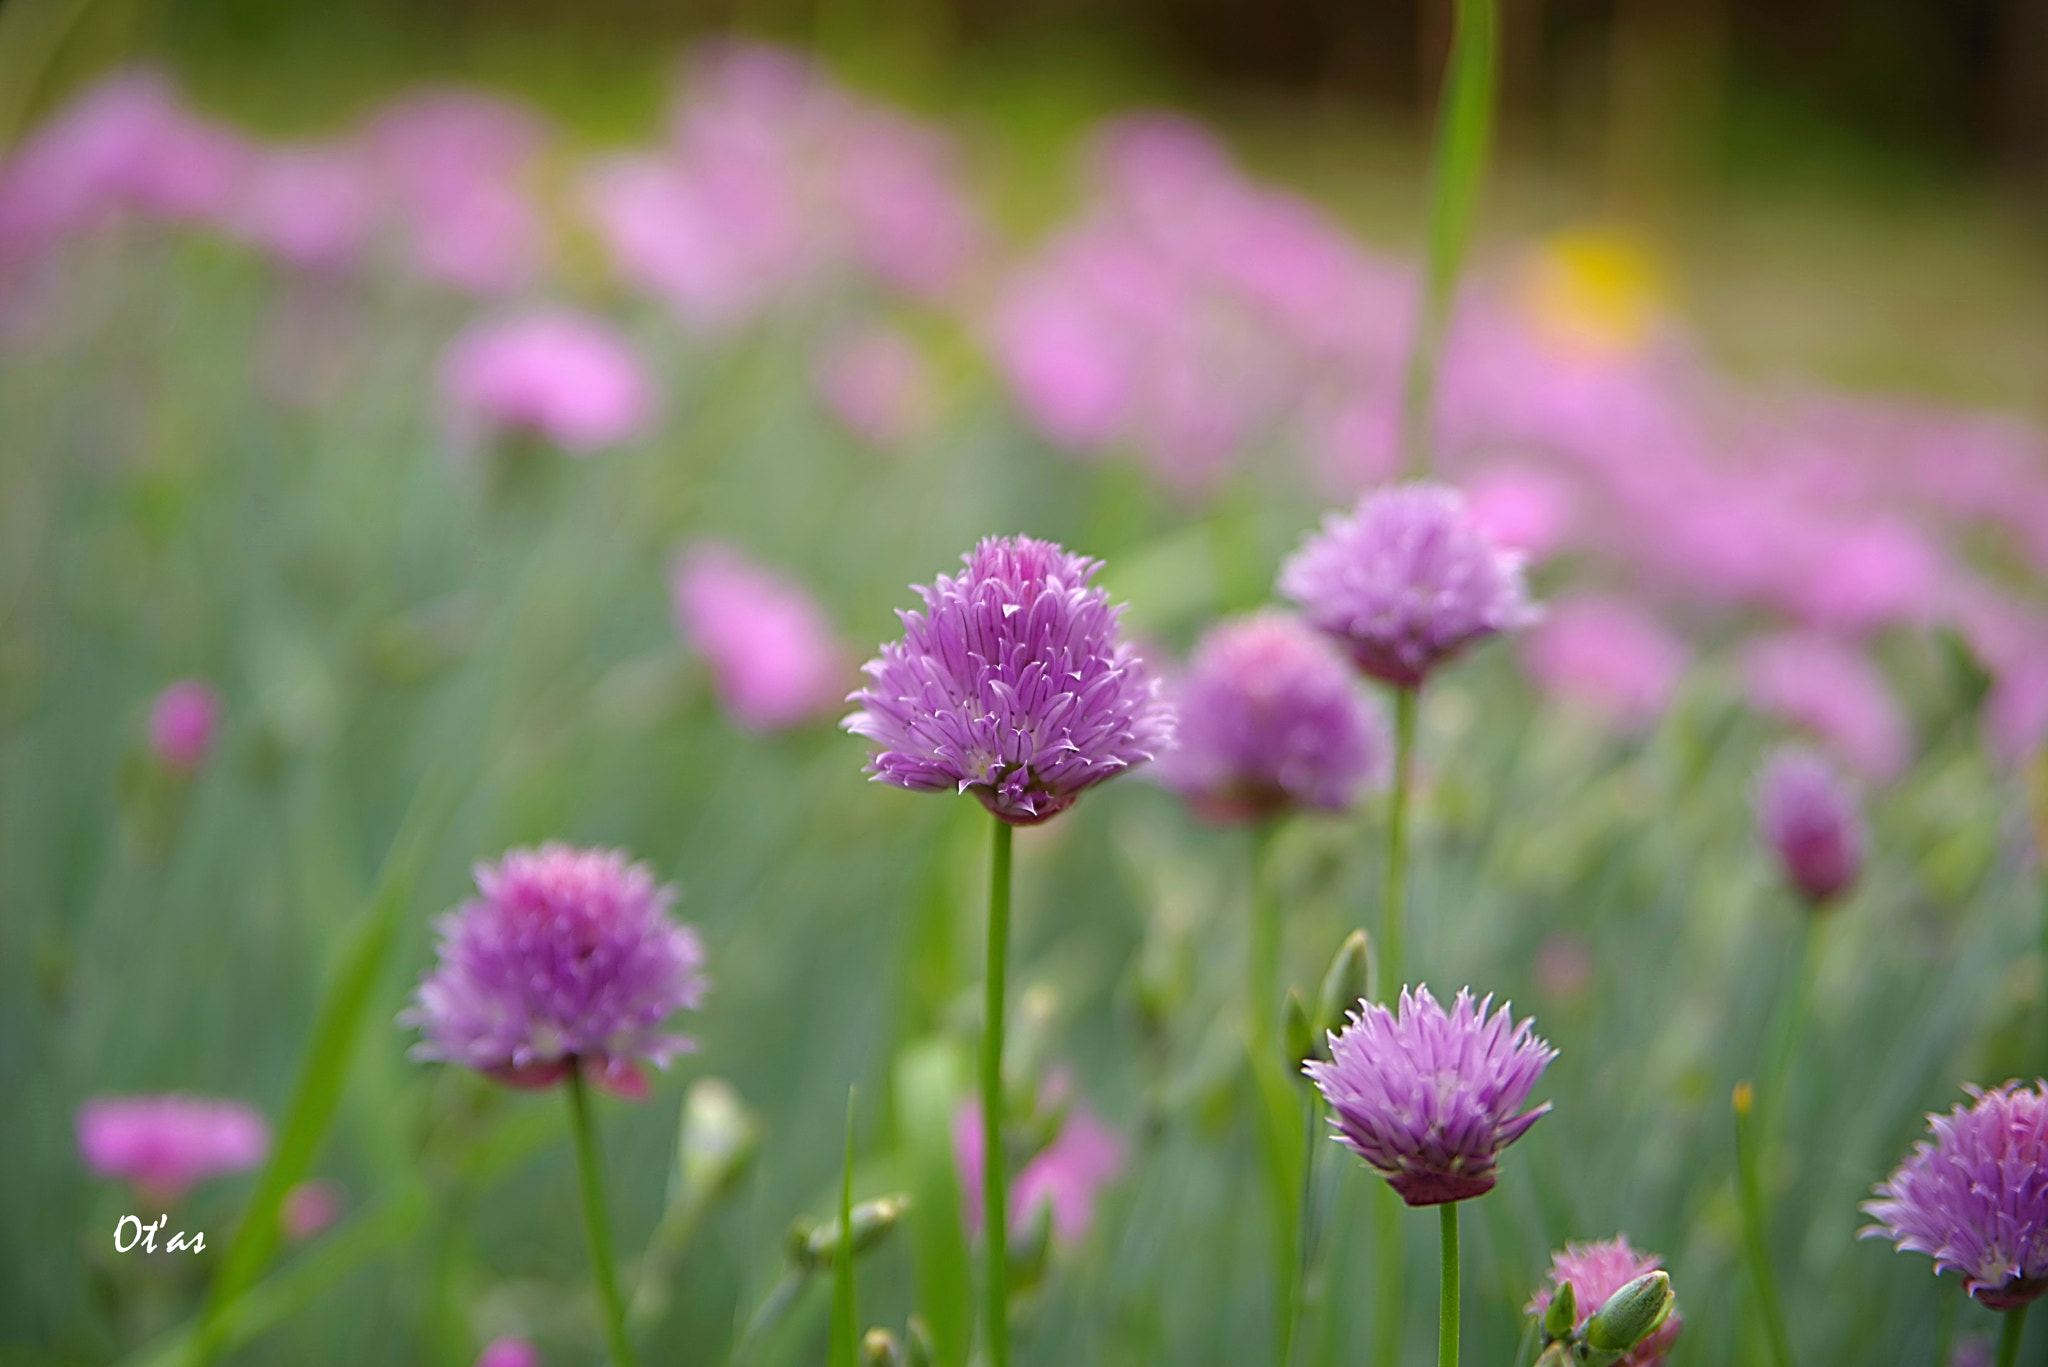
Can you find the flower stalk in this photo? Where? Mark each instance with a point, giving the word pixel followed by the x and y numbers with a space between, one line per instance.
pixel 994 1179
pixel 597 1222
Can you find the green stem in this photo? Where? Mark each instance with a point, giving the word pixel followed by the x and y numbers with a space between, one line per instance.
pixel 1751 1200
pixel 1447 1314
pixel 994 1181
pixel 1273 1090
pixel 2009 1337
pixel 1792 1013
pixel 1308 1238
pixel 1262 965
pixel 597 1220
pixel 1387 1227
pixel 1393 906
pixel 1463 132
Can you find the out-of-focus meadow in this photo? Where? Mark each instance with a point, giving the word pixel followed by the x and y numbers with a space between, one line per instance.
pixel 453 396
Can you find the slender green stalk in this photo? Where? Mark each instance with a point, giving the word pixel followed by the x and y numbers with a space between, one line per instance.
pixel 1387 1228
pixel 597 1222
pixel 2009 1337
pixel 1262 965
pixel 994 1180
pixel 1463 131
pixel 1309 1236
pixel 1274 1091
pixel 1447 1311
pixel 845 1306
pixel 1393 909
pixel 1751 1201
pixel 1791 1022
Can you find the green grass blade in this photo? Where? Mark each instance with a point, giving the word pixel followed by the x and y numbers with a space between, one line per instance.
pixel 930 1080
pixel 845 1307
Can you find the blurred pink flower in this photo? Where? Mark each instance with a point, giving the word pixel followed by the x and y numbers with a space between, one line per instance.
pixel 164 1144
pixel 456 166
pixel 1068 1174
pixel 566 377
pixel 128 144
pixel 774 658
pixel 879 388
pixel 509 1352
pixel 1522 507
pixel 312 208
pixel 2016 711
pixel 1816 683
pixel 1607 654
pixel 774 182
pixel 309 1208
pixel 1866 575
pixel 183 721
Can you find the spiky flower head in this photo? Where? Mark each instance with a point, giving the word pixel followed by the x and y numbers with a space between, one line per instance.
pixel 1270 718
pixel 1807 814
pixel 1013 685
pixel 1428 1097
pixel 565 958
pixel 1975 1196
pixel 164 1144
pixel 1596 1271
pixel 1406 581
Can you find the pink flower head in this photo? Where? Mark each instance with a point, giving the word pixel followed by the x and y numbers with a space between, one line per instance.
pixel 1827 688
pixel 129 145
pixel 164 1144
pixel 1596 1272
pixel 1428 1098
pixel 1522 507
pixel 1974 1195
pixel 311 208
pixel 509 1352
pixel 183 721
pixel 309 1208
pixel 456 165
pixel 564 377
pixel 1067 1175
pixel 1608 655
pixel 878 386
pixel 1014 684
pixel 565 957
pixel 1406 581
pixel 774 657
pixel 1808 816
pixel 1271 718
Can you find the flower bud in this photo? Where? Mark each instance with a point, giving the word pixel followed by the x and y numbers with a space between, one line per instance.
pixel 917 1344
pixel 1562 1316
pixel 879 1348
pixel 1031 1248
pixel 718 1139
pixel 1631 1314
pixel 814 1246
pixel 1348 980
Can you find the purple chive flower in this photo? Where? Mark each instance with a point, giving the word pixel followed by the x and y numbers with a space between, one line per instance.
pixel 1428 1098
pixel 183 721
pixel 773 655
pixel 1406 581
pixel 1975 1197
pixel 1013 685
pixel 1271 718
pixel 1068 1174
pixel 1807 815
pixel 509 1352
pixel 565 957
pixel 164 1144
pixel 1596 1272
pixel 561 376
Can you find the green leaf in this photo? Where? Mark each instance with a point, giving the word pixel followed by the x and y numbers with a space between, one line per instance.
pixel 325 1069
pixel 845 1306
pixel 930 1080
